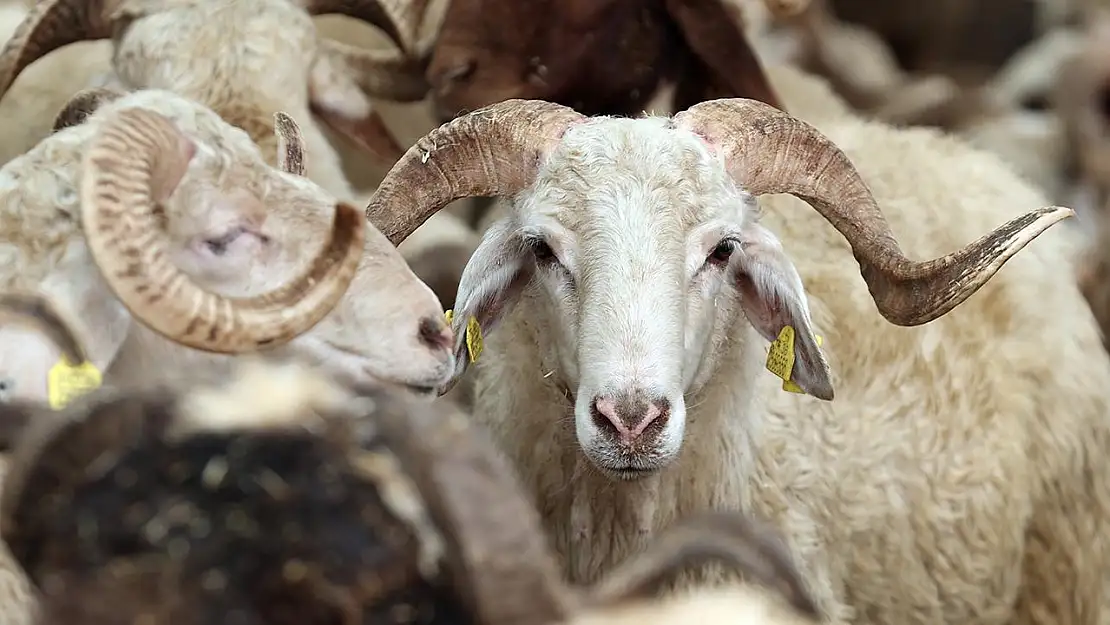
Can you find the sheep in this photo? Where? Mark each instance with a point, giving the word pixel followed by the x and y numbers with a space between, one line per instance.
pixel 222 262
pixel 269 58
pixel 266 56
pixel 599 57
pixel 278 495
pixel 950 481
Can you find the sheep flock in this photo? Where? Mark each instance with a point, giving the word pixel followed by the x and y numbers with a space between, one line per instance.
pixel 559 312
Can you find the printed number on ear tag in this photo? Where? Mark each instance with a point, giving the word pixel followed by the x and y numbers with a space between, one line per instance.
pixel 473 335
pixel 780 358
pixel 65 382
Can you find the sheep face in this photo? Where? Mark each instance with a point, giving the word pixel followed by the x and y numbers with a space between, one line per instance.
pixel 225 223
pixel 637 238
pixel 642 237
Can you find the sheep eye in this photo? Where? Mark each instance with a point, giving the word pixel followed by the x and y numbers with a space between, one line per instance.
pixel 218 246
pixel 542 251
pixel 722 252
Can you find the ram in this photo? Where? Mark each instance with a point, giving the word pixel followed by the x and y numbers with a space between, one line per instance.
pixel 281 496
pixel 247 60
pixel 155 209
pixel 629 293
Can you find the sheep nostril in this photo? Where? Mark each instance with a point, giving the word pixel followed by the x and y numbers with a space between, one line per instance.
pixel 435 334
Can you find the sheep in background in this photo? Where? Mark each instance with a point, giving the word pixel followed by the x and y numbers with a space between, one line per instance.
pixel 627 297
pixel 223 273
pixel 263 56
pixel 599 57
pixel 213 489
pixel 269 58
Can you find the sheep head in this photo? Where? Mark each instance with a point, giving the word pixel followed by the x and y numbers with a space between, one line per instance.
pixel 637 232
pixel 240 58
pixel 179 211
pixel 597 56
pixel 284 497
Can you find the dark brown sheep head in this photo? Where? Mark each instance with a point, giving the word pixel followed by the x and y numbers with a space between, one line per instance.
pixel 597 56
pixel 279 497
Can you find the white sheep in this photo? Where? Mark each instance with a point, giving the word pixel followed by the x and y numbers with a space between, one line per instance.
pixel 634 287
pixel 245 60
pixel 218 268
pixel 250 58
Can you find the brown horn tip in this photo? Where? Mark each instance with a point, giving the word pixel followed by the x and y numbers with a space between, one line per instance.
pixel 769 151
pixel 51 24
pixel 83 104
pixel 290 144
pixel 38 311
pixel 131 154
pixel 915 293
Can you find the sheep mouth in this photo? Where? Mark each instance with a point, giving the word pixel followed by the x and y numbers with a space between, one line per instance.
pixel 630 474
pixel 627 469
pixel 355 368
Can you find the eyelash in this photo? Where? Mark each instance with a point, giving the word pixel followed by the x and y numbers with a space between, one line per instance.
pixel 541 251
pixel 722 252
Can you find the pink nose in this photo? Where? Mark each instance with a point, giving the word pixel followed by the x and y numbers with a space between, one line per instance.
pixel 630 415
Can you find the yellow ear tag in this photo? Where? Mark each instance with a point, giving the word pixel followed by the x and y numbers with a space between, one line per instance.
pixel 780 358
pixel 473 336
pixel 64 382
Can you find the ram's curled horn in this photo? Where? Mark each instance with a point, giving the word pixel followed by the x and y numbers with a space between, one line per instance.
pixel 769 151
pixel 493 151
pixel 49 25
pixel 290 144
pixel 134 161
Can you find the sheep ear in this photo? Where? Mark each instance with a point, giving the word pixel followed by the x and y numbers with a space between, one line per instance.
pixel 491 285
pixel 37 330
pixel 341 105
pixel 715 36
pixel 772 297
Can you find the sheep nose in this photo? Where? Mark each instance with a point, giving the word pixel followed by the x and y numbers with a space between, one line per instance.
pixel 436 334
pixel 631 416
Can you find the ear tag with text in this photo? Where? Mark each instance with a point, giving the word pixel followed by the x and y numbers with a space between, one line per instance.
pixel 780 358
pixel 473 335
pixel 65 382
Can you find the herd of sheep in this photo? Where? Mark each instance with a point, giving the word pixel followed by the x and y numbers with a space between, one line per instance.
pixel 557 312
